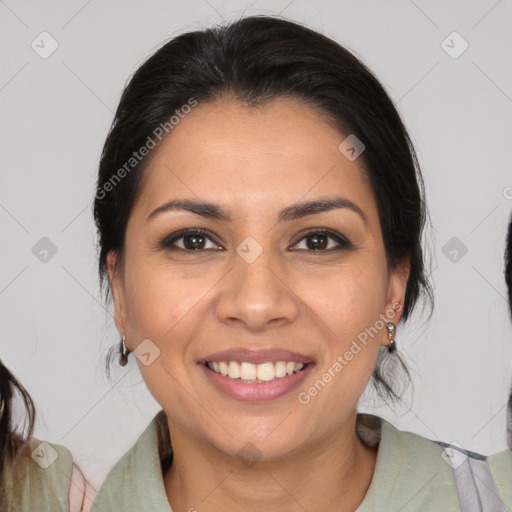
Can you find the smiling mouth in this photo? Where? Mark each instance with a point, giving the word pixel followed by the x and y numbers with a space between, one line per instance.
pixel 255 373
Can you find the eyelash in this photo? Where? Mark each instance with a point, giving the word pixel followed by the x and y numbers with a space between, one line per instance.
pixel 168 241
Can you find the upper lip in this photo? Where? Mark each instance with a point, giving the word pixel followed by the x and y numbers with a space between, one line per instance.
pixel 256 356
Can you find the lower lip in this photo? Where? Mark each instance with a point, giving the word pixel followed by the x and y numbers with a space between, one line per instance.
pixel 257 392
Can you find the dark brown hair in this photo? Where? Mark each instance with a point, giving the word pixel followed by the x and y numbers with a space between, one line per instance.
pixel 508 280
pixel 10 440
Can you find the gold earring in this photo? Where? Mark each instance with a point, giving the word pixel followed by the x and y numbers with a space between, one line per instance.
pixel 391 337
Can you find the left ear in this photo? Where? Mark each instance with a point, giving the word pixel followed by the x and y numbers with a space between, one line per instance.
pixel 396 288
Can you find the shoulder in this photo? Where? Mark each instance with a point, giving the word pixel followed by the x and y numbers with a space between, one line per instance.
pixel 39 477
pixel 421 474
pixel 501 469
pixel 402 450
pixel 413 472
pixel 135 483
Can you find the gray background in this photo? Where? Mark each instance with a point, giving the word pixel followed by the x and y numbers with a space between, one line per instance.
pixel 55 114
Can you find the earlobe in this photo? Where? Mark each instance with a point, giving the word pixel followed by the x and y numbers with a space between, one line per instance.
pixel 395 301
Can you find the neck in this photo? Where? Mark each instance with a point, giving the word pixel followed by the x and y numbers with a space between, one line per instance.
pixel 333 474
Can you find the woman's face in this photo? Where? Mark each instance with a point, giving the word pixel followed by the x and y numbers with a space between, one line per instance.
pixel 256 282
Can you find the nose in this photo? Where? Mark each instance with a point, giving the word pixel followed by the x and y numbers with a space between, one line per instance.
pixel 257 294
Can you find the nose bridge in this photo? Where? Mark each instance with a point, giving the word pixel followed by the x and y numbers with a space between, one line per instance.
pixel 256 291
pixel 252 267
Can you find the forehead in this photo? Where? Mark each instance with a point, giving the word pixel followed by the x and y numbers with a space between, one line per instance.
pixel 225 152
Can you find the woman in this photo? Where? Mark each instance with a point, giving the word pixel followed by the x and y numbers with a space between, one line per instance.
pixel 34 475
pixel 501 463
pixel 259 213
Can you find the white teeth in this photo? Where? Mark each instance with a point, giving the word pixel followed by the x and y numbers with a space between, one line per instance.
pixel 249 372
pixel 281 369
pixel 266 372
pixel 224 368
pixel 234 370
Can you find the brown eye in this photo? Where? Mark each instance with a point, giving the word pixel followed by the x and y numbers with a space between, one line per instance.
pixel 318 241
pixel 197 240
pixel 191 240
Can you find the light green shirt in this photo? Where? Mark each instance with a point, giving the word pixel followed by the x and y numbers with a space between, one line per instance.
pixel 410 474
pixel 38 479
pixel 501 469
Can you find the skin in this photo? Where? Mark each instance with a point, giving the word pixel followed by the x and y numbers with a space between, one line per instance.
pixel 191 304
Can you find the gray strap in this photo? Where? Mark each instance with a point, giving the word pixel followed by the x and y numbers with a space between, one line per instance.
pixel 476 488
pixel 489 493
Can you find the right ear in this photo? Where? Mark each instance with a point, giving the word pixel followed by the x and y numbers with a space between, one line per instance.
pixel 118 293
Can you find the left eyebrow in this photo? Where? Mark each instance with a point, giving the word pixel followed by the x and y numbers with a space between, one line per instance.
pixel 293 212
pixel 299 210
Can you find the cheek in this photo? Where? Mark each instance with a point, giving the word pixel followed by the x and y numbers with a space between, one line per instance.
pixel 346 308
pixel 165 309
pixel 348 300
pixel 160 301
